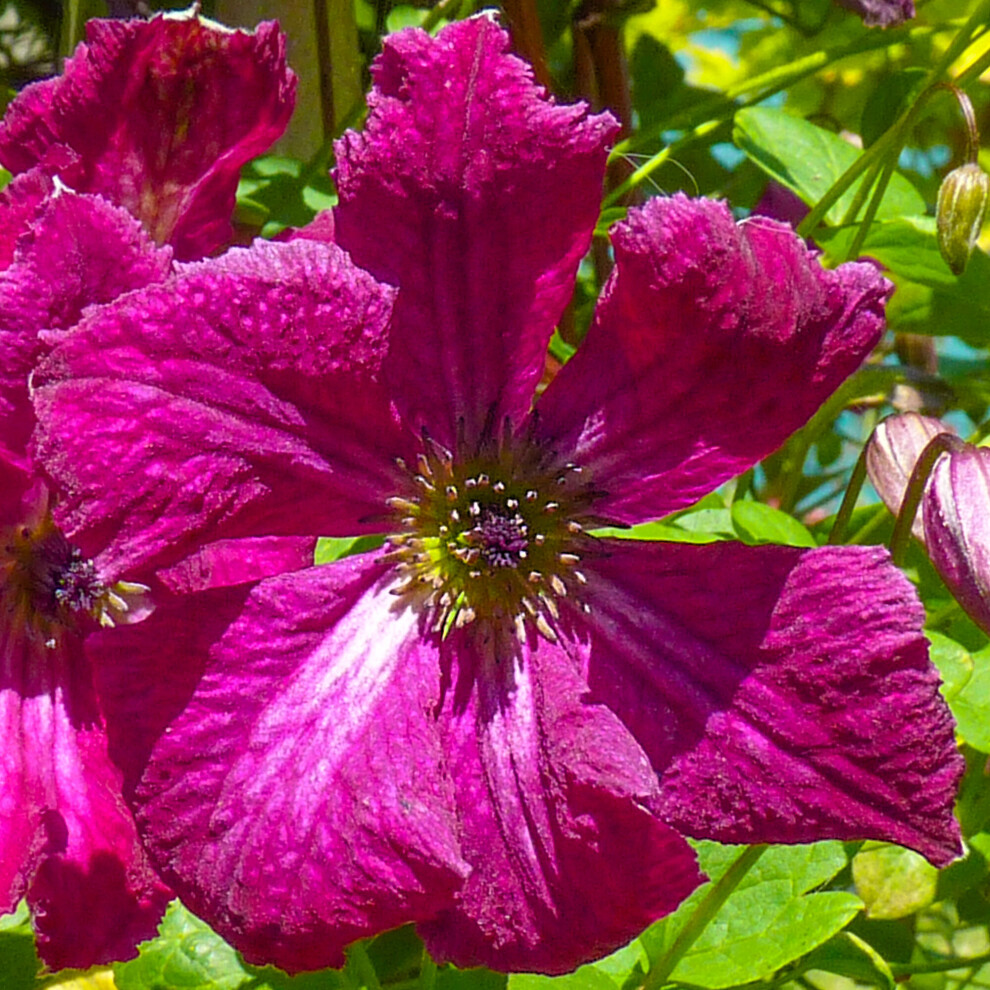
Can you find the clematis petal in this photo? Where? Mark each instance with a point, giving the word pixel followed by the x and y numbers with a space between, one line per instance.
pixel 238 400
pixel 891 454
pixel 158 116
pixel 713 342
pixel 229 562
pixel 568 864
pixel 955 506
pixel 69 843
pixel 476 194
pixel 77 251
pixel 784 695
pixel 19 201
pixel 300 798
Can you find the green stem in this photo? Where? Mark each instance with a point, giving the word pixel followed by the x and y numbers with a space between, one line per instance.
pixel 710 114
pixel 427 972
pixel 871 211
pixel 845 512
pixel 901 536
pixel 710 904
pixel 360 969
pixel 942 966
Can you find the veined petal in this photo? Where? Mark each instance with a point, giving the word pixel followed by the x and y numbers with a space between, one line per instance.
pixel 68 841
pixel 891 454
pixel 476 194
pixel 712 343
pixel 300 798
pixel 956 504
pixel 229 562
pixel 783 695
pixel 240 399
pixel 76 251
pixel 159 115
pixel 568 864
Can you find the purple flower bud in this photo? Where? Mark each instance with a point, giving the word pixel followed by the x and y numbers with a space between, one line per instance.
pixel 961 209
pixel 957 524
pixel 892 453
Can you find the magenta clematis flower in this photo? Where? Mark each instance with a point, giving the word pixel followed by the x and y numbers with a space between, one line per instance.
pixel 67 839
pixel 500 726
pixel 158 117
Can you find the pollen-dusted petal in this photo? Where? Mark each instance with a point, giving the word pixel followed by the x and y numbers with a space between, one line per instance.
pixel 76 251
pixel 957 525
pixel 240 399
pixel 300 798
pixel 784 695
pixel 712 343
pixel 568 864
pixel 891 454
pixel 160 116
pixel 476 194
pixel 68 841
pixel 19 201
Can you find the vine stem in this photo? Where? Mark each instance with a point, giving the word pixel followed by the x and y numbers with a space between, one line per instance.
pixel 937 446
pixel 710 904
pixel 942 966
pixel 889 143
pixel 766 83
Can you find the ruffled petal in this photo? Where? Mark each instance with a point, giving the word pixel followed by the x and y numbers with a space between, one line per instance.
pixel 19 201
pixel 68 841
pixel 957 526
pixel 891 454
pixel 299 798
pixel 784 695
pixel 476 194
pixel 76 252
pixel 158 116
pixel 240 399
pixel 712 343
pixel 568 864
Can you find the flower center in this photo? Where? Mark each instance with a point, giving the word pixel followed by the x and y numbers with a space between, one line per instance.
pixel 493 536
pixel 47 585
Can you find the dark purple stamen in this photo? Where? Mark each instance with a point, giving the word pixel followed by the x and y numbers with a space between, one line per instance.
pixel 501 537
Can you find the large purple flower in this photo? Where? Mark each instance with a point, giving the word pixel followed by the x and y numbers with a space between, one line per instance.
pixel 67 839
pixel 158 117
pixel 497 727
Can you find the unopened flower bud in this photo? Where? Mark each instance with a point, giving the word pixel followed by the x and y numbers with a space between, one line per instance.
pixel 957 525
pixel 892 453
pixel 962 205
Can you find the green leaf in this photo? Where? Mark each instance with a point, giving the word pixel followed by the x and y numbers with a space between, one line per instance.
pixel 970 702
pixel 189 955
pixel 771 919
pixel 584 978
pixel 906 245
pixel 848 955
pixel 19 963
pixel 893 882
pixel 331 548
pixel 758 523
pixel 808 159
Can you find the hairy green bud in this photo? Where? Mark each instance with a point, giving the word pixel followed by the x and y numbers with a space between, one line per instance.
pixel 962 205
